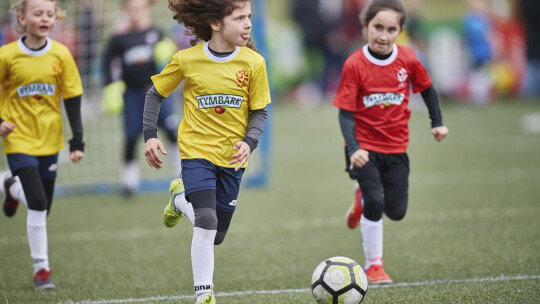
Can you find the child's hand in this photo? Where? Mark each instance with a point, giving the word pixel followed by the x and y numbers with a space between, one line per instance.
pixel 359 158
pixel 439 132
pixel 6 128
pixel 76 156
pixel 241 156
pixel 151 148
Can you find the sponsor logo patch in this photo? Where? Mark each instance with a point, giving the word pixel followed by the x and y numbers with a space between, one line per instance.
pixel 36 90
pixel 211 101
pixel 384 99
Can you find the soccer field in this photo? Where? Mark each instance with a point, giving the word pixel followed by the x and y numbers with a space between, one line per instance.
pixel 471 234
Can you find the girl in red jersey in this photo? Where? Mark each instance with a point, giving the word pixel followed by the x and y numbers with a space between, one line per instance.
pixel 373 100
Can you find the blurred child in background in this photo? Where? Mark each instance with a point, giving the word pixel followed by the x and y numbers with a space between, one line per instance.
pixel 225 96
pixel 373 99
pixel 36 73
pixel 138 44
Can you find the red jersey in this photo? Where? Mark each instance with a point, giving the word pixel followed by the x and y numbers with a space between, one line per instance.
pixel 377 91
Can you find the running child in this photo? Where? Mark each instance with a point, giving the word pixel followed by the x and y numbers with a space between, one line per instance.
pixel 36 74
pixel 225 96
pixel 136 43
pixel 373 100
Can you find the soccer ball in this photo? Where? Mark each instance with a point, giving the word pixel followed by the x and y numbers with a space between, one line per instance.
pixel 339 280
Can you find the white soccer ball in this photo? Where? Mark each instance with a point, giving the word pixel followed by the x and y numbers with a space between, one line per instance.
pixel 339 280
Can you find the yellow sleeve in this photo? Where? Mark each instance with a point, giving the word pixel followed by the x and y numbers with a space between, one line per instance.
pixel 72 84
pixel 259 91
pixel 169 79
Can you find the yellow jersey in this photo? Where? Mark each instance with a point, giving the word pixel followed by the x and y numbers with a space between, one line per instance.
pixel 32 85
pixel 218 93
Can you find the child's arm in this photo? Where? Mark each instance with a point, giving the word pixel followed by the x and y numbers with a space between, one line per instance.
pixel 357 156
pixel 152 104
pixel 76 144
pixel 438 129
pixel 257 120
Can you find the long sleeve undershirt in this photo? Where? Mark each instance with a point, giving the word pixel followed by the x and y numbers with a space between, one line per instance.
pixel 152 104
pixel 73 110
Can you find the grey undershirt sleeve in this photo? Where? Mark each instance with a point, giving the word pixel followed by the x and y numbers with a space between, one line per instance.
pixel 348 129
pixel 257 120
pixel 152 104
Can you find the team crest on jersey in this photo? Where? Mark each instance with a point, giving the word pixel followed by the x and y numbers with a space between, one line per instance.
pixel 56 67
pixel 402 76
pixel 242 78
pixel 37 90
pixel 383 99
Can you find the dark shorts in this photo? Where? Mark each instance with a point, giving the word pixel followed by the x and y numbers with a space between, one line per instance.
pixel 46 164
pixel 201 174
pixel 384 181
pixel 133 113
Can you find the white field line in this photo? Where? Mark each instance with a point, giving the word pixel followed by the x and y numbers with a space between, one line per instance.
pixel 302 290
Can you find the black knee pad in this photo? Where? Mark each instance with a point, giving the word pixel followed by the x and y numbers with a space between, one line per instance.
pixel 206 218
pixel 397 214
pixel 220 237
pixel 373 208
pixel 33 188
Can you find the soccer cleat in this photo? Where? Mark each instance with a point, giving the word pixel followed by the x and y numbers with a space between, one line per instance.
pixel 10 204
pixel 356 209
pixel 376 275
pixel 171 215
pixel 209 299
pixel 42 280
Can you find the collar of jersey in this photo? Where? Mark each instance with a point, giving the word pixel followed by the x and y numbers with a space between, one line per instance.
pixel 376 61
pixel 30 52
pixel 220 59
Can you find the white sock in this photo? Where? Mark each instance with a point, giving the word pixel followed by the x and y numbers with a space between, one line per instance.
pixel 372 235
pixel 17 192
pixel 184 206
pixel 202 261
pixel 36 227
pixel 174 155
pixel 130 175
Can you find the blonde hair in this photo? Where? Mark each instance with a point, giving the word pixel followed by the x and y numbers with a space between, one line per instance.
pixel 19 8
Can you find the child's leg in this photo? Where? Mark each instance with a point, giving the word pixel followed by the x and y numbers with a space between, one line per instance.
pixel 48 186
pixel 37 216
pixel 133 111
pixel 224 220
pixel 395 181
pixel 202 246
pixel 371 224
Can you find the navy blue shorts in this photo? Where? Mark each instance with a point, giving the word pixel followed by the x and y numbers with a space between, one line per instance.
pixel 46 164
pixel 200 174
pixel 133 113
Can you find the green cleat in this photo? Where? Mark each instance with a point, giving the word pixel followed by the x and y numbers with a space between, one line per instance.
pixel 209 299
pixel 171 215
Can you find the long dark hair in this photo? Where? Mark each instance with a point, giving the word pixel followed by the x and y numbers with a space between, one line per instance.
pixel 196 16
pixel 375 6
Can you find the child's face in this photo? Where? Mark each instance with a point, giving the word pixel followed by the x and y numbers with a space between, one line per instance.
pixel 383 30
pixel 235 28
pixel 39 18
pixel 137 11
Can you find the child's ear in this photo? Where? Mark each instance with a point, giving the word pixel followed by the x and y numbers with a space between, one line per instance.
pixel 215 25
pixel 21 20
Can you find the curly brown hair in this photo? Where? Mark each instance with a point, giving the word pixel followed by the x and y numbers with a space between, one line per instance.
pixel 196 16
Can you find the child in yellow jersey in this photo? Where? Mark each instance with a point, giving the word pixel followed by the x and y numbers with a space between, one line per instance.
pixel 225 96
pixel 36 73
